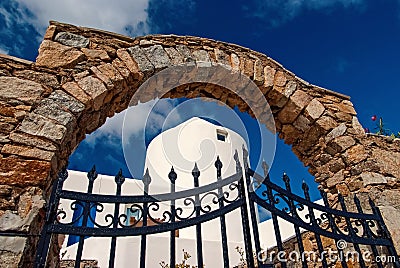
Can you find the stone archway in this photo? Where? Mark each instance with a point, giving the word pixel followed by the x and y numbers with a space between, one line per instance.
pixel 82 76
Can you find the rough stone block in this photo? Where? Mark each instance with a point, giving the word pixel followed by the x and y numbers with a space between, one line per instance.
pixel 269 76
pixel 357 127
pixel 185 52
pixel 258 72
pixel 336 132
pixel 347 107
pixel 343 189
pixel 302 123
pixel 222 57
pixel 201 55
pixel 391 218
pixel 123 70
pixel 275 97
pixel 340 144
pixel 343 116
pixel 26 139
pixel 72 40
pixel 96 54
pixel 49 34
pixel 109 75
pixel 388 161
pixel 355 154
pixel 39 77
pixel 326 123
pixel 141 60
pixel 335 179
pixel 32 153
pixel 315 109
pixel 291 134
pixel 6 128
pixel 130 63
pixel 22 172
pixel 38 125
pixel 372 178
pixel 67 102
pixel 50 109
pixel 309 141
pixel 247 66
pixel 289 113
pixel 12 88
pixel 235 62
pixel 299 98
pixel 280 79
pixel 95 89
pixel 157 56
pixel 12 244
pixel 290 88
pixel 175 57
pixel 74 90
pixel 54 55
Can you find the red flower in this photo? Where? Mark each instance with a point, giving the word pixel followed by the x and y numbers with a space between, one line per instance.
pixel 373 118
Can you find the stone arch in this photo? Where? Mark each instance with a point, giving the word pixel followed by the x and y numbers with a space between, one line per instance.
pixel 82 76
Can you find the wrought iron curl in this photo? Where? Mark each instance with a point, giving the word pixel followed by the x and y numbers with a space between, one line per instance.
pixel 100 208
pixel 74 206
pixel 155 207
pixel 233 187
pixel 60 215
pixel 214 199
pixel 277 197
pixel 188 201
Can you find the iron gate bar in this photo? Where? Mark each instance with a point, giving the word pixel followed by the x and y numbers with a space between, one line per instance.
pixel 274 217
pixel 165 227
pixel 92 175
pixel 314 222
pixel 320 231
pixel 333 226
pixel 119 180
pixel 143 239
pixel 199 245
pixel 296 228
pixel 254 220
pixel 247 201
pixel 100 198
pixel 244 213
pixel 45 237
pixel 172 177
pixel 383 229
pixel 368 230
pixel 269 184
pixel 218 165
pixel 351 230
pixel 328 214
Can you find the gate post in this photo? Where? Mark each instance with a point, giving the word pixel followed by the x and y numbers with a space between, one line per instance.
pixel 244 210
pixel 45 236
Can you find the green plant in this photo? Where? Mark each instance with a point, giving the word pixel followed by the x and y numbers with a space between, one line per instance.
pixel 183 264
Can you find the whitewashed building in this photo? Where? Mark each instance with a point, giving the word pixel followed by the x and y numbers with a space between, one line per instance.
pixel 194 141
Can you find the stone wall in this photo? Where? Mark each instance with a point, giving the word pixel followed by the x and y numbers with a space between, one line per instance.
pixel 82 76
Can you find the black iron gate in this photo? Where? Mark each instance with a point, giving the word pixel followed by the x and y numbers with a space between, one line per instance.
pixel 359 237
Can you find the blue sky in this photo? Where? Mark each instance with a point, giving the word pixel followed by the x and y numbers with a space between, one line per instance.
pixel 349 46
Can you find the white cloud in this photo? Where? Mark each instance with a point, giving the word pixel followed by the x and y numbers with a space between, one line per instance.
pixel 133 121
pixel 281 11
pixel 126 17
pixel 3 50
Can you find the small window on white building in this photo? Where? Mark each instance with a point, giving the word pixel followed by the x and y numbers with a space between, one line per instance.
pixel 222 135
